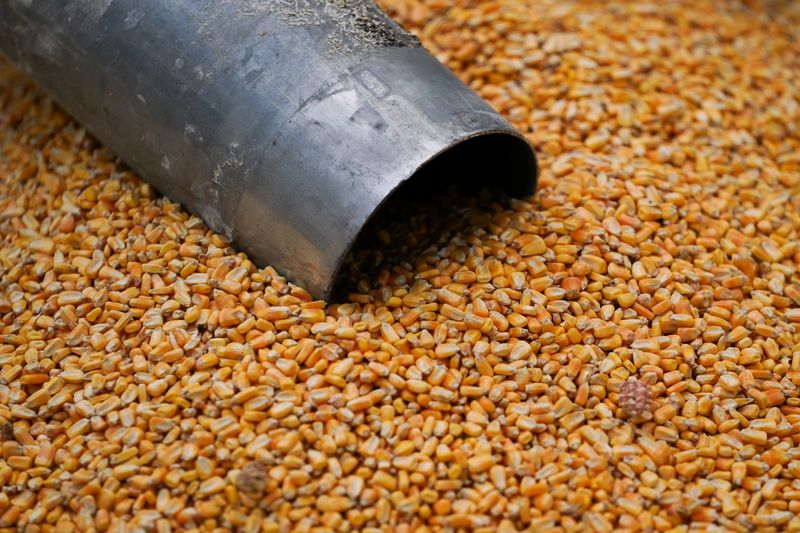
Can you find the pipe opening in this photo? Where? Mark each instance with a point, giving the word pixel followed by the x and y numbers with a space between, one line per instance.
pixel 502 163
pixel 442 197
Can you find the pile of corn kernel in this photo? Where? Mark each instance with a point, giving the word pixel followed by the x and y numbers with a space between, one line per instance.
pixel 619 352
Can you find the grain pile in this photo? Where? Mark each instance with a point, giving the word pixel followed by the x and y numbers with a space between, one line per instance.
pixel 621 351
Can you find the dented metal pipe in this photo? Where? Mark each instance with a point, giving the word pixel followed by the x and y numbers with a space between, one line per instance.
pixel 284 124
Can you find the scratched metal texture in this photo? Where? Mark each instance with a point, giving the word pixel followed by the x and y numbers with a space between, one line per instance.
pixel 284 124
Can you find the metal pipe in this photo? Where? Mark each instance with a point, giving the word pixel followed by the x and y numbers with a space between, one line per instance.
pixel 284 124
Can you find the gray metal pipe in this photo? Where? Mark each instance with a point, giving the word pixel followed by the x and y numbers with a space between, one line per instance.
pixel 284 124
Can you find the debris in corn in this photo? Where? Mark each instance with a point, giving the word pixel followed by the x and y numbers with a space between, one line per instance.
pixel 635 397
pixel 153 379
